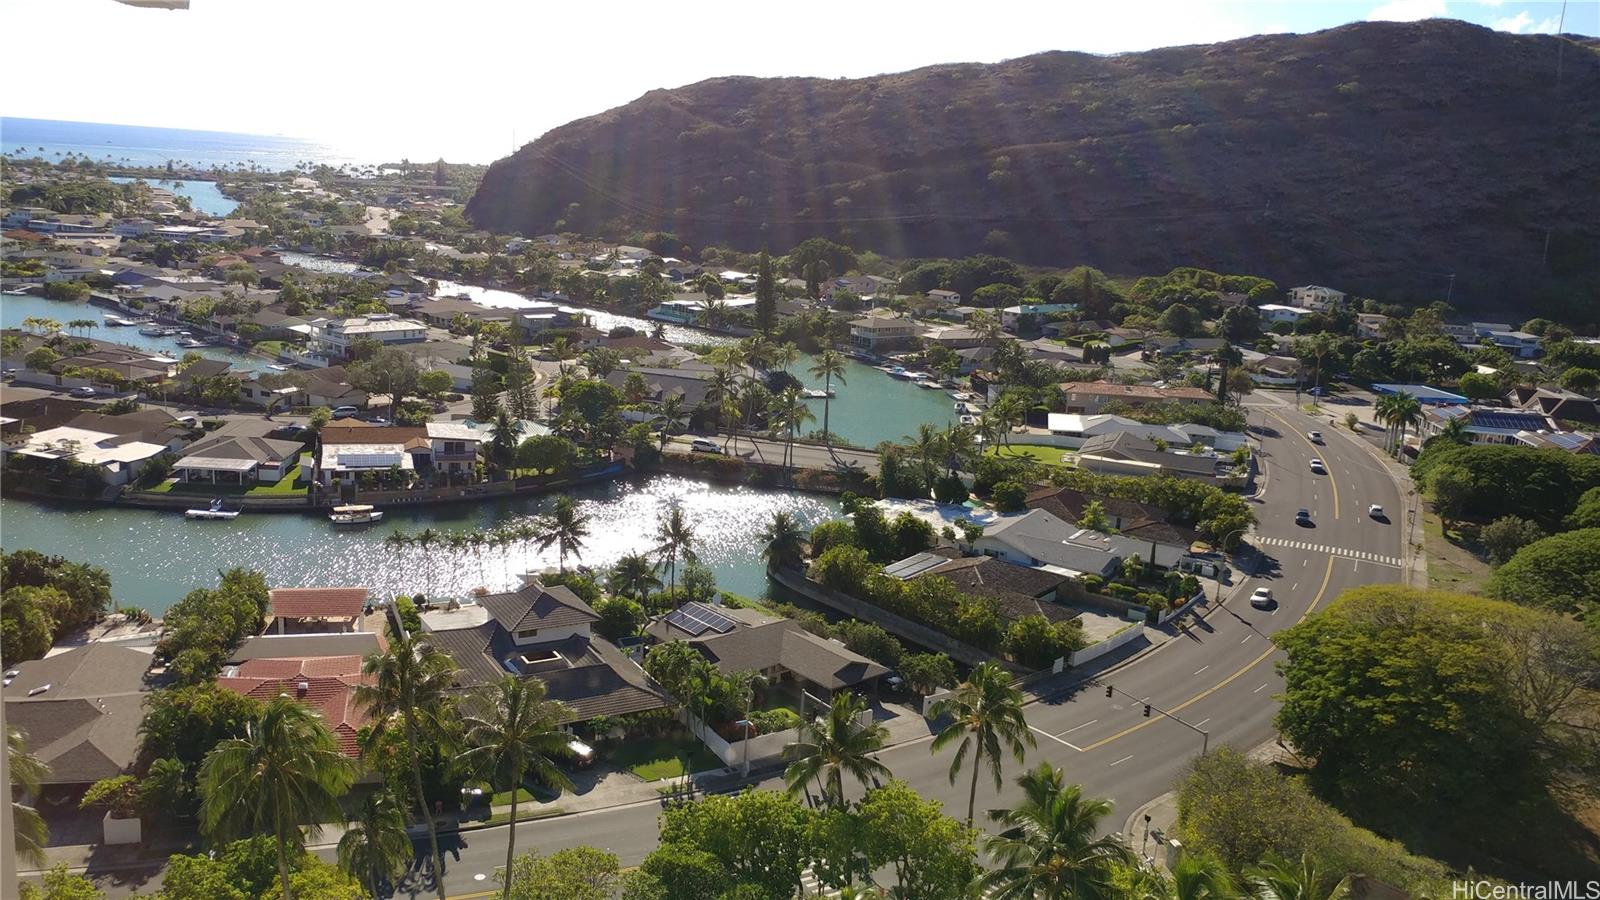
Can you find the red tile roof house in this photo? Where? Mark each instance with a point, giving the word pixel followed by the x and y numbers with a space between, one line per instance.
pixel 325 683
pixel 1088 397
pixel 316 610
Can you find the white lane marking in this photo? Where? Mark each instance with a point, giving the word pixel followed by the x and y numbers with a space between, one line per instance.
pixel 1123 760
pixel 1202 668
pixel 1259 689
pixel 1202 721
pixel 1246 638
pixel 1056 739
pixel 1076 727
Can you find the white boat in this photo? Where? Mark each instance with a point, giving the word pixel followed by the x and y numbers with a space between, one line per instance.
pixel 816 393
pixel 190 343
pixel 277 368
pixel 153 331
pixel 968 420
pixel 116 321
pixel 214 511
pixel 355 514
pixel 898 372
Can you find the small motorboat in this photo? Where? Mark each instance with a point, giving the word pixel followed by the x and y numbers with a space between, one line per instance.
pixel 968 420
pixel 190 343
pixel 816 394
pixel 116 321
pixel 898 372
pixel 355 514
pixel 153 331
pixel 214 511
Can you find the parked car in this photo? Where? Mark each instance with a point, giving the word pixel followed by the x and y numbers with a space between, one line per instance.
pixel 189 421
pixel 582 754
pixel 1302 517
pixel 702 445
pixel 345 412
pixel 1262 598
pixel 1315 436
pixel 84 391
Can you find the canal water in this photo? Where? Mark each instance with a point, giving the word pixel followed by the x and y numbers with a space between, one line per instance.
pixel 203 195
pixel 14 308
pixel 155 557
pixel 871 407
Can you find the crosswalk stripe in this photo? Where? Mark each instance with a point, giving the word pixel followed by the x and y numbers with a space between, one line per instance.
pixel 1332 551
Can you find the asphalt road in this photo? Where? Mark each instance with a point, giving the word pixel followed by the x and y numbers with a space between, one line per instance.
pixel 1218 676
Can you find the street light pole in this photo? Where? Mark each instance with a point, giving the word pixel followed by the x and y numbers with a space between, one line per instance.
pixel 1223 548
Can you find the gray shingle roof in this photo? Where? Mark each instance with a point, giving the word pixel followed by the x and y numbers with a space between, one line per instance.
pixel 536 606
pixel 784 643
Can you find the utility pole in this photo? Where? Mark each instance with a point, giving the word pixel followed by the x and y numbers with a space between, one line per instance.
pixel 1205 736
pixel 1451 292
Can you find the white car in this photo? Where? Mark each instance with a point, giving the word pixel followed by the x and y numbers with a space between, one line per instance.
pixel 1318 467
pixel 1315 436
pixel 702 445
pixel 1375 511
pixel 1262 598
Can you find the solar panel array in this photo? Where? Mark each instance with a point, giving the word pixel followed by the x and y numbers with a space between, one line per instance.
pixel 1509 421
pixel 697 618
pixel 912 566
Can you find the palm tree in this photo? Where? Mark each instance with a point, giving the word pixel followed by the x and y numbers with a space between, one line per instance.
pixel 284 774
pixel 677 542
pixel 504 436
pixel 960 446
pixel 1048 846
pixel 1198 876
pixel 673 417
pixel 1407 412
pixel 375 846
pixel 516 734
pixel 985 713
pixel 1454 431
pixel 427 538
pixel 928 446
pixel 1280 879
pixel 633 575
pixel 832 745
pixel 566 528
pixel 783 541
pixel 789 413
pixel 409 685
pixel 27 773
pixel 829 366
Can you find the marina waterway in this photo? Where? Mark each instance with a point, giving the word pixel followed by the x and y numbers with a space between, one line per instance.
pixel 203 195
pixel 156 557
pixel 15 308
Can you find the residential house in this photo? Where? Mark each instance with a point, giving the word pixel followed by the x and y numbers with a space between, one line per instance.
pixel 545 632
pixel 1076 430
pixel 444 312
pixel 781 650
pixel 1265 368
pixel 944 297
pixel 954 337
pixel 877 334
pixel 1019 590
pixel 1040 540
pixel 1129 454
pixel 1031 317
pixel 455 447
pixel 1158 539
pixel 1315 297
pixel 315 610
pixel 238 459
pixel 1090 396
pixel 346 451
pixel 1273 313
pixel 1370 326
pixel 333 337
pixel 118 457
pixel 327 684
pixel 662 384
pixel 1487 424
pixel 1560 405
pixel 79 710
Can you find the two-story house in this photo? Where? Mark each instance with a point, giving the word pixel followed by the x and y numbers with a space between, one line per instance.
pixel 1315 297
pixel 334 337
pixel 879 333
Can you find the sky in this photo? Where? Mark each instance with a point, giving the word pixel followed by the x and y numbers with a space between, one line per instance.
pixel 471 79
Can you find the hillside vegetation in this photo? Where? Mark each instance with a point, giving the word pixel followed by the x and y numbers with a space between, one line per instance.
pixel 1378 157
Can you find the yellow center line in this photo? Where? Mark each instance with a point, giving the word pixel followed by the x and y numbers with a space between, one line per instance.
pixel 1326 576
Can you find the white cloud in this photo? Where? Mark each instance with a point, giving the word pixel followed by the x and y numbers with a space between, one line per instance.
pixel 1522 23
pixel 1407 11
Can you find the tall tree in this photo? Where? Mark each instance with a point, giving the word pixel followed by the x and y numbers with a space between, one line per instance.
pixel 830 366
pixel 286 773
pixel 1301 879
pixel 375 846
pixel 517 733
pixel 410 684
pixel 1048 845
pixel 565 528
pixel 633 575
pixel 766 311
pixel 831 746
pixel 27 773
pixel 783 541
pixel 986 715
pixel 677 542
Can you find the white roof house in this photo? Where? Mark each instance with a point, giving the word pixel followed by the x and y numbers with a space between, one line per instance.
pixel 1076 429
pixel 119 459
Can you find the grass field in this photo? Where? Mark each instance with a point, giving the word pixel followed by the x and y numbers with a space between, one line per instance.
pixel 1050 456
pixel 1452 566
pixel 285 486
pixel 656 758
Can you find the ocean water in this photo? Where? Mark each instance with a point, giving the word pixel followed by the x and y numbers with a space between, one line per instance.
pixel 184 148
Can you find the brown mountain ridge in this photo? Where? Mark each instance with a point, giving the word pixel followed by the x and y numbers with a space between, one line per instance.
pixel 1379 157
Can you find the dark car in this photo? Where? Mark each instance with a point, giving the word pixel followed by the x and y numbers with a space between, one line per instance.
pixel 1303 517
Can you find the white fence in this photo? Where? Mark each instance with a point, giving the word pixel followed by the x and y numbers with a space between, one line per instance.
pixel 1095 651
pixel 761 748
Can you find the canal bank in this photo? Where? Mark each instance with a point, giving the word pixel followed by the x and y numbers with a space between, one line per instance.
pixel 154 558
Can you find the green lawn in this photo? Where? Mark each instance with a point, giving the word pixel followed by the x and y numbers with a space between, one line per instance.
pixel 284 487
pixel 1452 564
pixel 780 698
pixel 524 815
pixel 656 758
pixel 1050 456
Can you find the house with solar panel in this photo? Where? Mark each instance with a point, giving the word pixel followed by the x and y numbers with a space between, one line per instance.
pixel 1497 425
pixel 544 632
pixel 745 640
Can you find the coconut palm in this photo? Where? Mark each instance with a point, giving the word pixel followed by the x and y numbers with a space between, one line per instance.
pixel 375 847
pixel 789 413
pixel 1407 413
pixel 1454 431
pixel 986 716
pixel 677 542
pixel 1048 845
pixel 286 773
pixel 409 685
pixel 783 542
pixel 27 773
pixel 829 366
pixel 832 745
pixel 566 528
pixel 672 417
pixel 960 446
pixel 1009 411
pixel 504 436
pixel 1281 879
pixel 634 576
pixel 517 733
pixel 427 539
pixel 927 445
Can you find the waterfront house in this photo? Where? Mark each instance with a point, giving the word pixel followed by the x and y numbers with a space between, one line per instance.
pixel 1125 453
pixel 345 452
pixel 315 610
pixel 79 710
pixel 1075 430
pixel 455 447
pixel 1090 396
pixel 1158 539
pixel 877 334
pixel 1315 297
pixel 740 640
pixel 1040 540
pixel 333 337
pixel 117 458
pixel 544 632
pixel 327 684
pixel 238 459
pixel 955 337
pixel 1018 590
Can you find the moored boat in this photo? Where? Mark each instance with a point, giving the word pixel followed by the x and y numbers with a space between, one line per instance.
pixel 355 514
pixel 215 511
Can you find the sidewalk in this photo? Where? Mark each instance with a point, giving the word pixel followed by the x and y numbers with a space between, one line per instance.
pixel 1147 838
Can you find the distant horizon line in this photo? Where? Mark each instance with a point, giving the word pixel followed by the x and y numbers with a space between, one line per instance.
pixel 287 137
